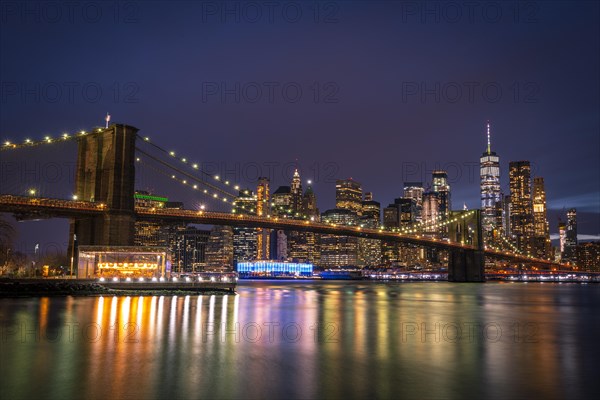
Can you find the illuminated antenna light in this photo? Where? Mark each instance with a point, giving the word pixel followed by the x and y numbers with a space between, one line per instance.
pixel 489 142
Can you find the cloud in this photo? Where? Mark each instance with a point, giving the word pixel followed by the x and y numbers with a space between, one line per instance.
pixel 581 238
pixel 585 202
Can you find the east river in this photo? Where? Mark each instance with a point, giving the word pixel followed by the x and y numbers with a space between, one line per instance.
pixel 304 339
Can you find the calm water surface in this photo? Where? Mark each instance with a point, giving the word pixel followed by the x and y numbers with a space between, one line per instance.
pixel 298 339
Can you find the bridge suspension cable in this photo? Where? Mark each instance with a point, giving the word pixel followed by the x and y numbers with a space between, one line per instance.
pixel 196 168
pixel 194 165
pixel 185 173
pixel 184 182
pixel 10 145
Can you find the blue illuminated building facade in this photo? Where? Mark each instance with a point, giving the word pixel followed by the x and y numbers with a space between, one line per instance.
pixel 273 268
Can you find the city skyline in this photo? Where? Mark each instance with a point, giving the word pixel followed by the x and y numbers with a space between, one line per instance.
pixel 428 183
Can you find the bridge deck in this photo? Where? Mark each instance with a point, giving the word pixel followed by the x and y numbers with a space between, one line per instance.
pixel 78 209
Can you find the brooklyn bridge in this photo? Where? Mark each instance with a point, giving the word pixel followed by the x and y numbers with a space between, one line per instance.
pixel 102 210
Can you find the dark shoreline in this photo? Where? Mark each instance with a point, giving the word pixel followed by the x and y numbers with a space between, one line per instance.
pixel 15 288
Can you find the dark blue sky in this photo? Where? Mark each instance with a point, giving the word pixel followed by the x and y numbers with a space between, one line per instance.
pixel 388 90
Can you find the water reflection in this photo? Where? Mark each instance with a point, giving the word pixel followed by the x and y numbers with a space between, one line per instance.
pixel 307 340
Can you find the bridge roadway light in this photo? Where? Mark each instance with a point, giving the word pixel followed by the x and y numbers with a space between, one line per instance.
pixel 32 192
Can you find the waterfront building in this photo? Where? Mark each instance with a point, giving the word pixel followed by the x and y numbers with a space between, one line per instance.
pixel 245 240
pixel 588 256
pixel 219 250
pixel 339 251
pixel 266 268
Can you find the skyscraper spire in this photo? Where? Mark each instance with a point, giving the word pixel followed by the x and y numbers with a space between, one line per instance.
pixel 489 143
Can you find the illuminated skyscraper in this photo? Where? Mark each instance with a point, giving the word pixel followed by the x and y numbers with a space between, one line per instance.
pixel 148 233
pixel 348 195
pixel 562 235
pixel 304 246
pixel 263 208
pixel 442 189
pixel 506 215
pixel 282 245
pixel 309 203
pixel 281 201
pixel 521 207
pixel 244 239
pixel 489 172
pixel 402 214
pixel 570 253
pixel 541 230
pixel 588 256
pixel 414 190
pixel 188 247
pixel 296 194
pixel 369 250
pixel 336 250
pixel 219 250
pixel 431 212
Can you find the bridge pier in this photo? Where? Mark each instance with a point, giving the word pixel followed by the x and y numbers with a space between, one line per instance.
pixel 466 266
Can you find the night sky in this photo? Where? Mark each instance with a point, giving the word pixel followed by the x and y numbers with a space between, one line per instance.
pixel 383 92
